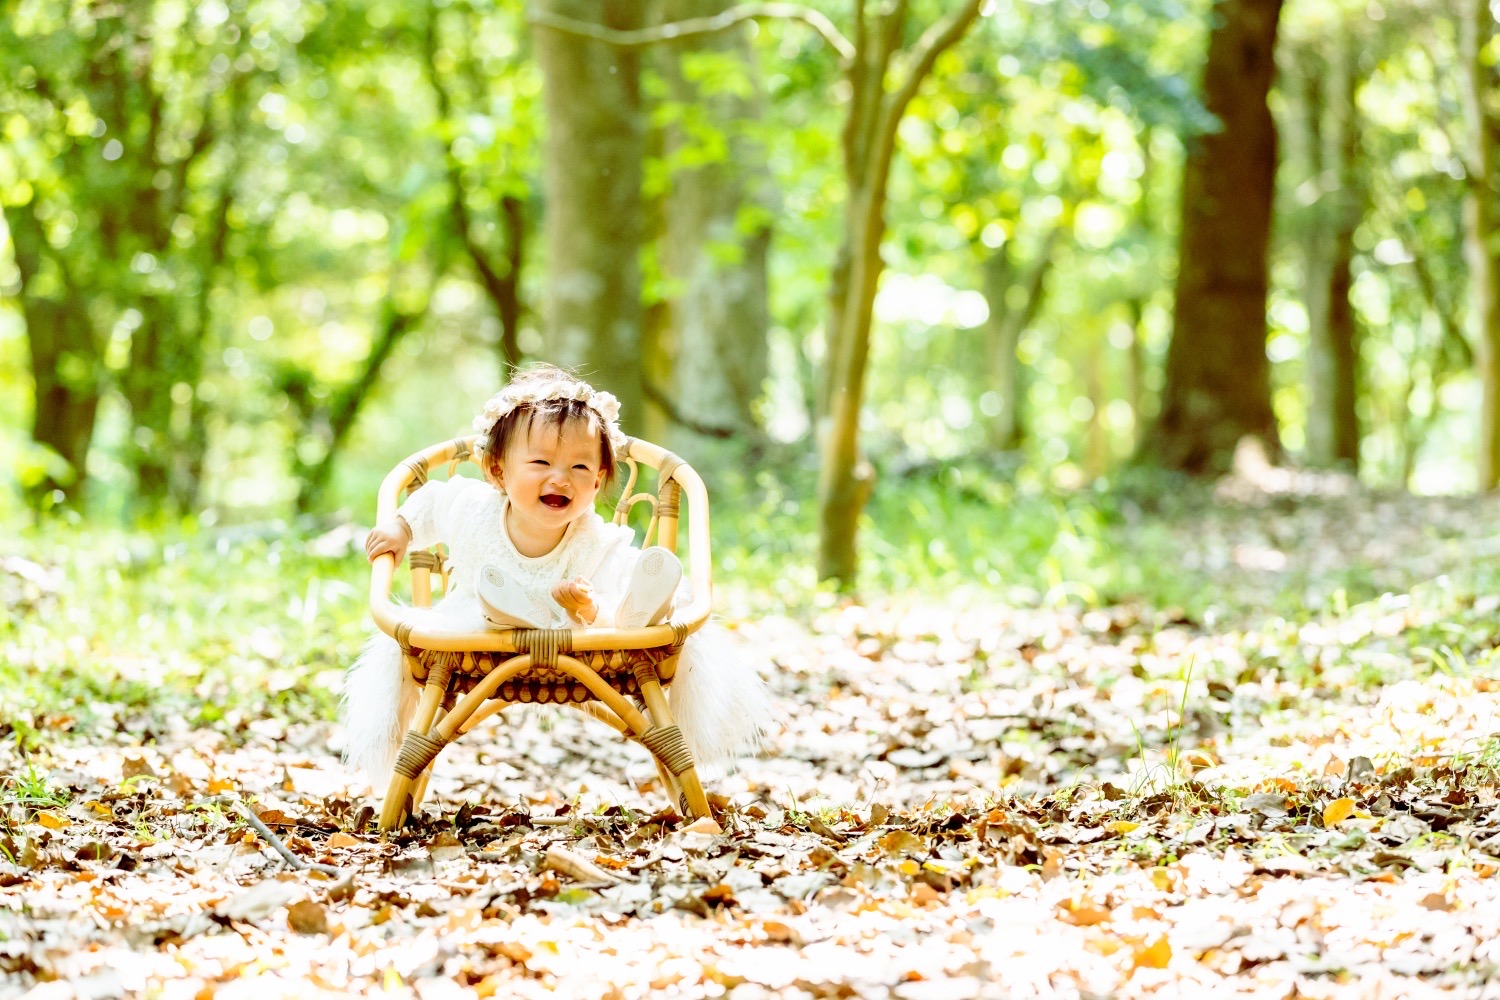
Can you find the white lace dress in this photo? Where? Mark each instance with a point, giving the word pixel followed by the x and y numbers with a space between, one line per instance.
pixel 468 516
pixel 717 699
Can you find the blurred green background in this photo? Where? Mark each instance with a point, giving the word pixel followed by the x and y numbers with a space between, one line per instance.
pixel 256 251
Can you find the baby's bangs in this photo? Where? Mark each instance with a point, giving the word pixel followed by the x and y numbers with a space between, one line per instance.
pixel 558 414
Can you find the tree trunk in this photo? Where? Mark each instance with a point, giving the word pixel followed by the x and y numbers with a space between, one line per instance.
pixel 1217 387
pixel 594 218
pixel 1481 222
pixel 66 364
pixel 718 320
pixel 1006 430
pixel 147 383
pixel 1332 145
pixel 507 297
pixel 869 142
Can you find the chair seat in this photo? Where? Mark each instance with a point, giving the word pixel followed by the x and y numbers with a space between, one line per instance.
pixel 545 685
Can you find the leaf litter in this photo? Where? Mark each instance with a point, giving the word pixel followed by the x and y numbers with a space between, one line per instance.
pixel 967 800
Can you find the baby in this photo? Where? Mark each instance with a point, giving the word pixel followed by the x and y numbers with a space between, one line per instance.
pixel 527 549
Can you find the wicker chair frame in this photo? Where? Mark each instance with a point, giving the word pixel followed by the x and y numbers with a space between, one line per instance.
pixel 468 676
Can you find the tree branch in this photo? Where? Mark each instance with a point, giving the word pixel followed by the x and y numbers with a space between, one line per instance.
pixel 674 30
pixel 503 289
pixel 936 40
pixel 248 815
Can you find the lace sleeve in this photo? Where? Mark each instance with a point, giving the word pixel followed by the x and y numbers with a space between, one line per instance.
pixel 429 512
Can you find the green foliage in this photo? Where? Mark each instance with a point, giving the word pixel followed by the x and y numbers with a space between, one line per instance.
pixel 290 173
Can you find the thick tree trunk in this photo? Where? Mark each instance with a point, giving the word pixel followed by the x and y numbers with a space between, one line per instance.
pixel 1477 29
pixel 1217 386
pixel 594 218
pixel 1331 148
pixel 717 323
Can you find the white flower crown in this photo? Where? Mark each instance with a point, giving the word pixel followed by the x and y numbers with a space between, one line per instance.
pixel 512 397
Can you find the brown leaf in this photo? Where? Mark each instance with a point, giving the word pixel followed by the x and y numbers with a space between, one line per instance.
pixel 1083 912
pixel 922 894
pixel 137 767
pixel 94 850
pixel 776 930
pixel 446 847
pixel 342 839
pixel 307 917
pixel 719 895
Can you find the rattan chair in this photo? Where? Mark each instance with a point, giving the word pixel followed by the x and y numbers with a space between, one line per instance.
pixel 468 676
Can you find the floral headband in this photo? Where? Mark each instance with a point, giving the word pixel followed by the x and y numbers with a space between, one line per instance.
pixel 513 397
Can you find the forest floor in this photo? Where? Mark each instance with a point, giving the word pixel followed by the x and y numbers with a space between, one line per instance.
pixel 967 800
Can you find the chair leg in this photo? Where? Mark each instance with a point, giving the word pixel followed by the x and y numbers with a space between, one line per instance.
pixel 690 797
pixel 486 710
pixel 400 802
pixel 419 787
pixel 595 710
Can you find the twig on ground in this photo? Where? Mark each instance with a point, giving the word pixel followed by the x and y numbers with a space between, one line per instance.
pixel 577 867
pixel 281 848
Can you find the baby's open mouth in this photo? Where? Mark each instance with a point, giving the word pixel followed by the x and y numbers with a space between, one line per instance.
pixel 556 500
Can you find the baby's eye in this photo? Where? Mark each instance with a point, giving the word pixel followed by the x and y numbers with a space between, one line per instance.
pixel 582 468
pixel 538 461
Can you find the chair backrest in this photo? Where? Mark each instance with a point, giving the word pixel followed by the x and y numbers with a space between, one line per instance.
pixel 676 481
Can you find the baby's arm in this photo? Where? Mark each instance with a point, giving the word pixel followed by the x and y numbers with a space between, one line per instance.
pixel 422 521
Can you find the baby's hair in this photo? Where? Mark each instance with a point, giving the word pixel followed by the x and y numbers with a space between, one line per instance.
pixel 557 413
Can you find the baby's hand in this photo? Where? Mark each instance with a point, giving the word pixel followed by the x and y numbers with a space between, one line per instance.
pixel 577 599
pixel 390 536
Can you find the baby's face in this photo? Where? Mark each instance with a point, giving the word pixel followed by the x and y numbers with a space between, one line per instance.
pixel 552 474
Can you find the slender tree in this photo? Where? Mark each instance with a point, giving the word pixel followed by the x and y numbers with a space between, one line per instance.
pixel 1323 85
pixel 1014 296
pixel 501 185
pixel 1217 387
pixel 879 96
